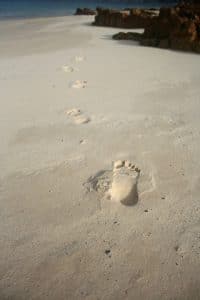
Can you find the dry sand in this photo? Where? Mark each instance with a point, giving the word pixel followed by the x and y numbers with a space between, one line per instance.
pixel 61 235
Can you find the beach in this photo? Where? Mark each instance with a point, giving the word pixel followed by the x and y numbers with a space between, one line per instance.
pixel 73 102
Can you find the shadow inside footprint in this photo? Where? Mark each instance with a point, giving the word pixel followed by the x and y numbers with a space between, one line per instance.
pixel 124 190
pixel 132 199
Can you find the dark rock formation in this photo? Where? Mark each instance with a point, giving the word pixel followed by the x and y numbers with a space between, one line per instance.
pixel 131 18
pixel 85 11
pixel 128 36
pixel 176 28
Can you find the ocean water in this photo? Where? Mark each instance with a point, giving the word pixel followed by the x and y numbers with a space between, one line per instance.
pixel 44 8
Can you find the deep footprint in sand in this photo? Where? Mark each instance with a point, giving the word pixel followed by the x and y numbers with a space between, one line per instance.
pixel 124 183
pixel 78 84
pixel 119 185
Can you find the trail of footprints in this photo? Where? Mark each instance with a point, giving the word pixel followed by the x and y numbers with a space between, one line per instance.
pixel 119 185
pixel 77 84
pixel 75 113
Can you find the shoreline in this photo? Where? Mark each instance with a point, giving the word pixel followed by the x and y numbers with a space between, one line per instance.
pixel 72 11
pixel 21 18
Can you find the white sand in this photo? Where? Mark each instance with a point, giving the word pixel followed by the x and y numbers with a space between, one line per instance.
pixel 60 236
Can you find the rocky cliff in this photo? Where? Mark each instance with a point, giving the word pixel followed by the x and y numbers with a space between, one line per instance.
pixel 130 18
pixel 176 28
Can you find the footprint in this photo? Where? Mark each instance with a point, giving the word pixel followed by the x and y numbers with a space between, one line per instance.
pixel 118 185
pixel 78 117
pixel 78 84
pixel 67 69
pixel 82 142
pixel 124 183
pixel 73 112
